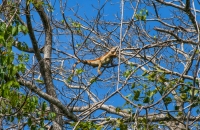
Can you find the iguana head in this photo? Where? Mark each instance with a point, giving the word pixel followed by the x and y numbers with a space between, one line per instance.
pixel 114 49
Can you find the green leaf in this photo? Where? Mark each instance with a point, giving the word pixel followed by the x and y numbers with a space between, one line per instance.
pixel 159 70
pixel 99 127
pixel 78 45
pixel 9 84
pixel 94 79
pixel 53 115
pixel 147 12
pixel 14 31
pixel 118 109
pixel 39 81
pixel 33 127
pixel 29 122
pixel 16 84
pixel 145 73
pixel 108 118
pixel 136 95
pixel 79 71
pixel 146 100
pixel 180 113
pixel 42 122
pixel 133 85
pixel 176 107
pixel 22 68
pixel 183 96
pixel 35 99
pixel 44 106
pixel 2 40
pixel 152 76
pixel 197 111
pixel 195 91
pixel 24 29
pixel 12 118
pixel 167 100
pixel 127 73
pixel 151 93
pixel 14 70
pixel 19 28
pixel 69 79
pixel 162 78
pixel 122 126
pixel 3 27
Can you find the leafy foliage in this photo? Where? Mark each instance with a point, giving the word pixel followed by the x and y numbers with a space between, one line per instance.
pixel 14 104
pixel 142 15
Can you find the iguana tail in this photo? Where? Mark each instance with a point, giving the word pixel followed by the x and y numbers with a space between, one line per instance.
pixel 74 66
pixel 76 63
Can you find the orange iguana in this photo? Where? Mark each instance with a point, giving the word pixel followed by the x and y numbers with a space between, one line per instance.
pixel 98 62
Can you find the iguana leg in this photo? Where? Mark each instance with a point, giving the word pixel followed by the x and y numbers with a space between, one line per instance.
pixel 114 54
pixel 73 67
pixel 111 62
pixel 99 68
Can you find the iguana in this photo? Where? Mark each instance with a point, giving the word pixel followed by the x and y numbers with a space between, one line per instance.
pixel 102 60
